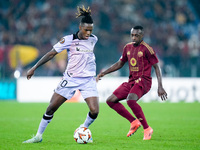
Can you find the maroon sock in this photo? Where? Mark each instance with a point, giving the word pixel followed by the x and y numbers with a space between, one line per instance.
pixel 121 110
pixel 137 110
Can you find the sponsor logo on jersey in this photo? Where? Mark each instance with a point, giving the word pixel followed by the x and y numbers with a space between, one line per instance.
pixel 83 50
pixel 133 62
pixel 77 49
pixel 134 68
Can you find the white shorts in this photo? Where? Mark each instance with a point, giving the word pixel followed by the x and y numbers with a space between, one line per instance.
pixel 68 86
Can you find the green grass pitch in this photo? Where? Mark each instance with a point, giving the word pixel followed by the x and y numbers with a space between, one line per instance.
pixel 176 127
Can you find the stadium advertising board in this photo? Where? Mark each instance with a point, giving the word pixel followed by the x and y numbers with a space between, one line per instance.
pixel 8 89
pixel 178 89
pixel 40 89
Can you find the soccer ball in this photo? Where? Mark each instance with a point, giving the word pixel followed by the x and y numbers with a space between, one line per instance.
pixel 82 135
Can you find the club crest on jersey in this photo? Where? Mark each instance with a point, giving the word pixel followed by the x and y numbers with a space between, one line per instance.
pixel 62 41
pixel 140 54
pixel 128 53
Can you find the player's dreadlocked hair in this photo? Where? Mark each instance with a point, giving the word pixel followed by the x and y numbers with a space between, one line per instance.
pixel 86 13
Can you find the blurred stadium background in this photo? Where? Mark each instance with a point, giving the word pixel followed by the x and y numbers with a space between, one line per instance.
pixel 29 29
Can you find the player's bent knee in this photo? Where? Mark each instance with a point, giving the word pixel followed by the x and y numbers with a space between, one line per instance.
pixel 112 98
pixel 108 100
pixel 94 109
pixel 132 96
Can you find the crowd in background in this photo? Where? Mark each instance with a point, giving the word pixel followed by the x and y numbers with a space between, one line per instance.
pixel 172 28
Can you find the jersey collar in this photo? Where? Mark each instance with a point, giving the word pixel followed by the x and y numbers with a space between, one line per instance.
pixel 75 36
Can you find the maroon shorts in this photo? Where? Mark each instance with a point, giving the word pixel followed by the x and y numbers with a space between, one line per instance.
pixel 140 87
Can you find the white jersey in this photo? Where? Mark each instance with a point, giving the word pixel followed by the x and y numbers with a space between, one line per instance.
pixel 81 58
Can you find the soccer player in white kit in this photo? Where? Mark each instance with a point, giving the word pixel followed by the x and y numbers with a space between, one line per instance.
pixel 79 73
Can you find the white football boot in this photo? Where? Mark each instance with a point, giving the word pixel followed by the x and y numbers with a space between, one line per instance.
pixel 34 139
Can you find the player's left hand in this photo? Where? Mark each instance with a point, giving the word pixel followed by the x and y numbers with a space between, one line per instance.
pixel 99 76
pixel 162 93
pixel 30 73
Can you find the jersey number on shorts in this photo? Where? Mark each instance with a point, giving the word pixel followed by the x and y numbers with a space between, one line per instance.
pixel 63 83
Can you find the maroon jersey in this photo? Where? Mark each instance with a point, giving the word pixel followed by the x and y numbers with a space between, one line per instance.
pixel 140 59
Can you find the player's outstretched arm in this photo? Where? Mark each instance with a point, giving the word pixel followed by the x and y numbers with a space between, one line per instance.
pixel 48 56
pixel 161 91
pixel 119 64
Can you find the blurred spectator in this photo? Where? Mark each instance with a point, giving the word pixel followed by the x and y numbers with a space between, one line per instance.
pixel 172 28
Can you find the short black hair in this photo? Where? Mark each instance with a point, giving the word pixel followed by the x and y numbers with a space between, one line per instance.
pixel 138 28
pixel 86 13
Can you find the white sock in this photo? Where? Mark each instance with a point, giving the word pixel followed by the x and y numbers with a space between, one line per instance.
pixel 43 125
pixel 88 121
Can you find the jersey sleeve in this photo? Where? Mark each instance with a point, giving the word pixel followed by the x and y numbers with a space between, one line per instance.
pixel 151 55
pixel 95 38
pixel 124 57
pixel 63 44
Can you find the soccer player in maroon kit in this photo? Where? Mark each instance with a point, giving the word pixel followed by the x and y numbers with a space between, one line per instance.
pixel 140 57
